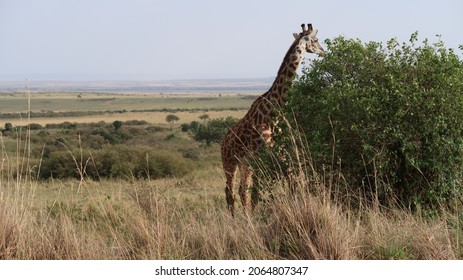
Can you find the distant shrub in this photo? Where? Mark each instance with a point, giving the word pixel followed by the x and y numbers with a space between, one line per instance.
pixel 117 125
pixel 190 154
pixel 95 141
pixel 194 126
pixel 122 170
pixel 118 161
pixel 184 127
pixel 136 122
pixel 64 125
pixel 43 134
pixel 112 135
pixel 160 164
pixel 59 165
pixel 135 131
pixel 170 137
pixel 156 128
pixel 8 127
pixel 214 130
pixel 204 117
pixel 35 126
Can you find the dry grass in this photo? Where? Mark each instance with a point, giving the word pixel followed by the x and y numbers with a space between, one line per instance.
pixel 169 219
pixel 402 235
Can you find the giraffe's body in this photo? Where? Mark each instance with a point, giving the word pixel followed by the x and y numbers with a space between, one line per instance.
pixel 254 130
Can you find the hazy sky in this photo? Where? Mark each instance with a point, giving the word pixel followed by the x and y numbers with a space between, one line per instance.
pixel 181 39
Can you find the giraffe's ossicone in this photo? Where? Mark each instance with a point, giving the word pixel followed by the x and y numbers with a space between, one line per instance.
pixel 254 130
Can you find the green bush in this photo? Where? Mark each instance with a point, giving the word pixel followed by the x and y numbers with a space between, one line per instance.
pixel 59 165
pixel 155 128
pixel 185 127
pixel 117 125
pixel 114 135
pixel 120 161
pixel 136 122
pixel 213 130
pixel 8 127
pixel 162 164
pixel 388 118
pixel 35 126
pixel 122 170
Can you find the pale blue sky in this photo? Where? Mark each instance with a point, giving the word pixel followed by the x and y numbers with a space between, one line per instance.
pixel 200 39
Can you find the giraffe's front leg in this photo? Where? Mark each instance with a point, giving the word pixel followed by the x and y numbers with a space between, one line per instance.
pixel 230 172
pixel 245 181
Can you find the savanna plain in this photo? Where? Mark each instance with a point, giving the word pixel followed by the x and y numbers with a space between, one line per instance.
pixel 90 175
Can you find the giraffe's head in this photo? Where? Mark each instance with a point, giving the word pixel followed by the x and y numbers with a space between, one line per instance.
pixel 308 38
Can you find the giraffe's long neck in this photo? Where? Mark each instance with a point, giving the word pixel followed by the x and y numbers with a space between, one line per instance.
pixel 286 73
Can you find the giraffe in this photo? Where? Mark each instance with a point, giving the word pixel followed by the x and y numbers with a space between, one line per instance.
pixel 254 130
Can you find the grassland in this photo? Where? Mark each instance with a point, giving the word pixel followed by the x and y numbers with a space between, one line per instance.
pixel 184 217
pixel 41 102
pixel 93 107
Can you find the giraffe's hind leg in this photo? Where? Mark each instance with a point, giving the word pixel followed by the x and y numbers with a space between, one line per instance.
pixel 255 193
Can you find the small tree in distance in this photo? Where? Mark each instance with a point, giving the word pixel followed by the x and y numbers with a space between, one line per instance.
pixel 8 127
pixel 204 117
pixel 171 118
pixel 117 125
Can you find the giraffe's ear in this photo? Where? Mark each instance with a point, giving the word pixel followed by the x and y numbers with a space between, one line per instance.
pixel 295 35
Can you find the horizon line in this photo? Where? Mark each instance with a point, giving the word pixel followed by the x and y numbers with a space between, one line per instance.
pixel 135 80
